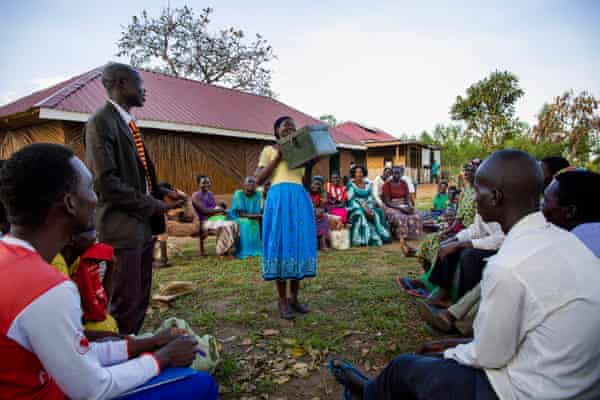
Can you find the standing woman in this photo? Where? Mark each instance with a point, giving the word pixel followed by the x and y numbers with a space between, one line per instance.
pixel 289 230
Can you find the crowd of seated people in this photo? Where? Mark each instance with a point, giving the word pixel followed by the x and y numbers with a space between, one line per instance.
pixel 372 216
pixel 525 272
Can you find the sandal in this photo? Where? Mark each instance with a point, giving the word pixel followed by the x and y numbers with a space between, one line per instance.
pixel 406 286
pixel 345 365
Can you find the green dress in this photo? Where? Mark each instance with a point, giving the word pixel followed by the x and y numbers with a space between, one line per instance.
pixel 365 231
pixel 440 201
pixel 249 244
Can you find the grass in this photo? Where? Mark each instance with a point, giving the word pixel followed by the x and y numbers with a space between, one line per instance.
pixel 358 313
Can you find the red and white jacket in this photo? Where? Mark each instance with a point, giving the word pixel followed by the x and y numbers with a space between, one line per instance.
pixel 43 351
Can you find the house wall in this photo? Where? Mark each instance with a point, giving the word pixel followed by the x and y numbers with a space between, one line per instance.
pixel 13 140
pixel 179 157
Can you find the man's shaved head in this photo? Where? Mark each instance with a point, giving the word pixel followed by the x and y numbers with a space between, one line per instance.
pixel 509 184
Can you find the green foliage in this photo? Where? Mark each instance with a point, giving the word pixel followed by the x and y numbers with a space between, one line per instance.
pixel 574 122
pixel 488 109
pixel 180 42
pixel 329 119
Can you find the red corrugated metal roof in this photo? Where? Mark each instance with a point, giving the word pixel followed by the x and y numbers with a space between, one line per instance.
pixel 364 134
pixel 175 100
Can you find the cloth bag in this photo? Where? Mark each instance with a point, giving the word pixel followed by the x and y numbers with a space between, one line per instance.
pixel 340 240
pixel 207 344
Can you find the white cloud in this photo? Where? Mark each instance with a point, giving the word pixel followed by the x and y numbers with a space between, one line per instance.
pixel 46 82
pixel 405 81
pixel 7 97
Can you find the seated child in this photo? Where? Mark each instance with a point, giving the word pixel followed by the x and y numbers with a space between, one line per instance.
pixel 89 265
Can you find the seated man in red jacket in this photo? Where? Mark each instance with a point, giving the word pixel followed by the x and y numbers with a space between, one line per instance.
pixel 44 354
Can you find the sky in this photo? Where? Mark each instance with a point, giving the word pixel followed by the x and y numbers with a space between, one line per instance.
pixel 394 65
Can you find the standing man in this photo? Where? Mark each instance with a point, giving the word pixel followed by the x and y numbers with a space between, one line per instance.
pixel 435 172
pixel 129 207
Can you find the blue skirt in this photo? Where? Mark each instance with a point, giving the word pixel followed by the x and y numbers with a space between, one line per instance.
pixel 289 234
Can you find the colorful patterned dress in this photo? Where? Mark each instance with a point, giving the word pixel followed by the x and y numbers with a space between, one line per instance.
pixel 322 221
pixel 365 231
pixel 403 225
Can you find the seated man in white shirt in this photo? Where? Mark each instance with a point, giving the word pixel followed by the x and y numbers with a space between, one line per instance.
pixel 534 336
pixel 44 353
pixel 469 249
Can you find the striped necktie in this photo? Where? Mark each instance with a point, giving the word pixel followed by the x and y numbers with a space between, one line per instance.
pixel 139 145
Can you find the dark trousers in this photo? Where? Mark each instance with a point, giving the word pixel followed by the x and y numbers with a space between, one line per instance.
pixel 429 378
pixel 471 261
pixel 132 282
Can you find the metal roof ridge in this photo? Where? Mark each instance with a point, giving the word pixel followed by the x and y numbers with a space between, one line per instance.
pixel 182 78
pixel 62 94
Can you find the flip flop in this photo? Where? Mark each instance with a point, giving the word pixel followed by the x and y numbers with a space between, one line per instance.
pixel 345 365
pixel 419 293
pixel 404 284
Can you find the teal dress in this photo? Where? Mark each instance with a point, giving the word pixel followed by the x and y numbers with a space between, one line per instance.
pixel 250 244
pixel 365 231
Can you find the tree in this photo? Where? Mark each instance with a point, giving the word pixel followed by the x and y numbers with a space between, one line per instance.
pixel 329 119
pixel 488 109
pixel 178 43
pixel 573 121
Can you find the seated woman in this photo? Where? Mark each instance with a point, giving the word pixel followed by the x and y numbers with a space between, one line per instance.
pixel 337 196
pixel 246 211
pixel 440 201
pixel 316 195
pixel 368 222
pixel 213 219
pixel 402 218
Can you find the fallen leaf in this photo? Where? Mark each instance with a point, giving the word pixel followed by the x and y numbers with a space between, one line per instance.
pixel 270 332
pixel 298 352
pixel 281 380
pixel 246 342
pixel 301 369
pixel 289 342
pixel 229 339
pixel 364 352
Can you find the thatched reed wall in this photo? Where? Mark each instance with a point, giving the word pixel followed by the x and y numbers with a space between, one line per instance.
pixel 15 139
pixel 179 157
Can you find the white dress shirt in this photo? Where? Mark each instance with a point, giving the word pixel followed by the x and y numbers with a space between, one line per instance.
pixel 536 334
pixel 50 327
pixel 376 190
pixel 484 236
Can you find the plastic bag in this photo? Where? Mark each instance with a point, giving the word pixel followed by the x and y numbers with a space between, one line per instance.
pixel 340 240
pixel 207 357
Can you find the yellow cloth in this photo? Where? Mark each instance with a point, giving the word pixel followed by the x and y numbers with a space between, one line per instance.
pixel 109 324
pixel 282 173
pixel 61 266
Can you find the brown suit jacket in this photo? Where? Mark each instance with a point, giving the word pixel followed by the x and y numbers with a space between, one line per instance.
pixel 125 212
